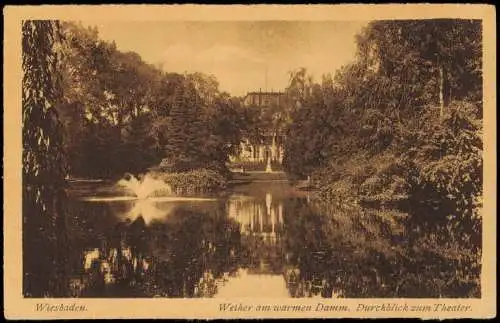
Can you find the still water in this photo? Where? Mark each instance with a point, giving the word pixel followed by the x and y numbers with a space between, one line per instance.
pixel 264 239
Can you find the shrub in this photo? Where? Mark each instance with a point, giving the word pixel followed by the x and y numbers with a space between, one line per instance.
pixel 195 181
pixel 447 162
pixel 339 195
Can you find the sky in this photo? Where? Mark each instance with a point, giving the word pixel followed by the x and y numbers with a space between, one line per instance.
pixel 243 55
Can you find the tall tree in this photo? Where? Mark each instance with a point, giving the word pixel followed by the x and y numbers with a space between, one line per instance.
pixel 312 133
pixel 43 162
pixel 106 91
pixel 184 131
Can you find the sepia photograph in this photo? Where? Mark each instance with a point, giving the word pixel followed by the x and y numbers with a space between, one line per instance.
pixel 246 159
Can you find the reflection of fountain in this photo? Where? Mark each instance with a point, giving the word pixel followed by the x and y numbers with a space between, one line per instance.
pixel 149 210
pixel 145 186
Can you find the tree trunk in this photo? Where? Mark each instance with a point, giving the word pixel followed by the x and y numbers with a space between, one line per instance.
pixel 441 91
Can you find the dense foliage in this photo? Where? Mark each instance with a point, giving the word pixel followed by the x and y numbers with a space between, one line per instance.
pixel 200 181
pixel 43 162
pixel 91 110
pixel 400 128
pixel 124 115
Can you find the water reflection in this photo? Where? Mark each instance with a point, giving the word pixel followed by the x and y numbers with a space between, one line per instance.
pixel 242 246
pixel 176 256
pixel 261 252
pixel 148 211
pixel 246 284
pixel 264 220
pixel 265 240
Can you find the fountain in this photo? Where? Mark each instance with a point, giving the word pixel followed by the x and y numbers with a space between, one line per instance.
pixel 145 187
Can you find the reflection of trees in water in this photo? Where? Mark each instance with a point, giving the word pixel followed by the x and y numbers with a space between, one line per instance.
pixel 186 250
pixel 260 255
pixel 327 257
pixel 308 257
pixel 359 255
pixel 261 229
pixel 181 257
pixel 193 252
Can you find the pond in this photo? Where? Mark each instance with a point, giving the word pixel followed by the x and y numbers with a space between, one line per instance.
pixel 265 238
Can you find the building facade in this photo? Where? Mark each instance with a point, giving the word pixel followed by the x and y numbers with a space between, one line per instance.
pixel 270 148
pixel 262 152
pixel 262 99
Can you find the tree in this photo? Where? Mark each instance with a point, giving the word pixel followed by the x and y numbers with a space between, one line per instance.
pixel 184 131
pixel 44 169
pixel 106 91
pixel 401 128
pixel 406 73
pixel 225 126
pixel 436 61
pixel 130 114
pixel 312 135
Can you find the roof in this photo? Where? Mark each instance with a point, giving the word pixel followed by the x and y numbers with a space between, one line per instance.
pixel 266 93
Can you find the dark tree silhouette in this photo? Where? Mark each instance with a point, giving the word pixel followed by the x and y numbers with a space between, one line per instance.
pixel 43 163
